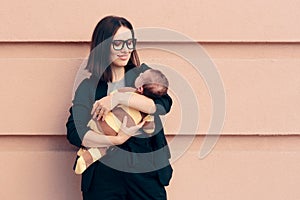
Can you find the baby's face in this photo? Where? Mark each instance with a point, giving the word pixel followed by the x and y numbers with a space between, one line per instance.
pixel 143 79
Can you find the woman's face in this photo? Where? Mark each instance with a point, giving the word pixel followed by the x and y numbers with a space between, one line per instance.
pixel 120 58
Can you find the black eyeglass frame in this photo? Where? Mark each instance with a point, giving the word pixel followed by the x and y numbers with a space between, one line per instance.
pixel 123 44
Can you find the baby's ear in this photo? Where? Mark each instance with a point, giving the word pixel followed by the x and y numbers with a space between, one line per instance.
pixel 140 89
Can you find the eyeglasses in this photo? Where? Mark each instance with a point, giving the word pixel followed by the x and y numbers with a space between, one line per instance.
pixel 118 45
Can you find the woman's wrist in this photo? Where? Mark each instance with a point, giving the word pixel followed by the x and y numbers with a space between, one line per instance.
pixel 93 139
pixel 116 140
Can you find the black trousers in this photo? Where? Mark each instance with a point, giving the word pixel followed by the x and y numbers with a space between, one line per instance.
pixel 110 184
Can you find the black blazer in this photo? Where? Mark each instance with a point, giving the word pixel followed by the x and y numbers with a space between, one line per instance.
pixel 90 90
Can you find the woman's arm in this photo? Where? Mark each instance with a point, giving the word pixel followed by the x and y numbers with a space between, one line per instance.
pixel 78 133
pixel 136 101
pixel 79 114
pixel 72 133
pixel 163 104
pixel 133 100
pixel 158 106
pixel 93 139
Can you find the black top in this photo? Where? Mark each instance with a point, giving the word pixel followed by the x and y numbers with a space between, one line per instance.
pixel 153 149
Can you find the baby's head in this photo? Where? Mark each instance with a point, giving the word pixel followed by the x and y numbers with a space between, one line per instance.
pixel 152 83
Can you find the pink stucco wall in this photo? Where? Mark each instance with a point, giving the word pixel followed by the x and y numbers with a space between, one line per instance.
pixel 254 45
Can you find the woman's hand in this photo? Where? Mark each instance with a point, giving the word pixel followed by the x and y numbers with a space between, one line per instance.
pixel 93 139
pixel 125 133
pixel 103 106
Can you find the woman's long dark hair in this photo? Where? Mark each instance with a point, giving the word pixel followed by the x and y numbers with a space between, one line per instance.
pixel 99 63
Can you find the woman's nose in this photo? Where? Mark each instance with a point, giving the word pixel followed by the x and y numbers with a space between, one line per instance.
pixel 125 49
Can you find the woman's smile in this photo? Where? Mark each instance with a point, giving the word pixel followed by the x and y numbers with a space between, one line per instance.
pixel 124 56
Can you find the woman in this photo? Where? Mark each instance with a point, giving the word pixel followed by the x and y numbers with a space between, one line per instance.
pixel 133 167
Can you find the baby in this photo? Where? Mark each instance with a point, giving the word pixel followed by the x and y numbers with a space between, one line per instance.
pixel 151 83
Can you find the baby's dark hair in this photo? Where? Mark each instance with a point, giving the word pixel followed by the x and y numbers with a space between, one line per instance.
pixel 158 86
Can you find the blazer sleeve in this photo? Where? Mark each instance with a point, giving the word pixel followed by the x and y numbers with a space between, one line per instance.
pixel 79 114
pixel 163 105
